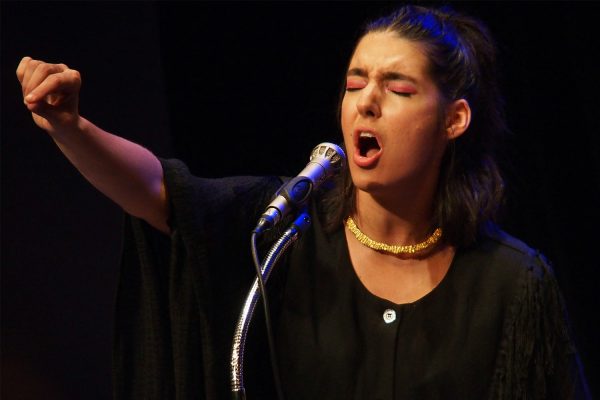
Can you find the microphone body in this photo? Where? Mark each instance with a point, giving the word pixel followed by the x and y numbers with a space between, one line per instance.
pixel 326 160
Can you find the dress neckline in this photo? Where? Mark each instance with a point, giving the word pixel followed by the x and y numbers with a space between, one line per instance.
pixel 346 262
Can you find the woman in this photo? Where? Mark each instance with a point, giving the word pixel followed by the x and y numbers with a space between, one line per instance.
pixel 402 288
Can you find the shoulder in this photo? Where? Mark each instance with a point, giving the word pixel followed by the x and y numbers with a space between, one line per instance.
pixel 503 268
pixel 505 254
pixel 525 257
pixel 179 179
pixel 520 277
pixel 214 202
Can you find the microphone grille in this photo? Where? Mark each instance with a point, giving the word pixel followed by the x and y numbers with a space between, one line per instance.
pixel 330 152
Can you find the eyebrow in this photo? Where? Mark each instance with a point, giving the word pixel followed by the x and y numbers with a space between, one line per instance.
pixel 387 76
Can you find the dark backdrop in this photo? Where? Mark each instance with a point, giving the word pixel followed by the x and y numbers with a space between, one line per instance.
pixel 250 88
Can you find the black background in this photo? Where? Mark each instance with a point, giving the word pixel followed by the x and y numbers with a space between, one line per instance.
pixel 250 88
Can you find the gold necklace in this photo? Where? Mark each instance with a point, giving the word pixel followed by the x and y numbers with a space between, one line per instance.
pixel 388 248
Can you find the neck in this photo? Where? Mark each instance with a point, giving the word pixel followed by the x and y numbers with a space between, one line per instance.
pixel 395 220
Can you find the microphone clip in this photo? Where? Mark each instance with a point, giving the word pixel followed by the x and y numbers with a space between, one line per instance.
pixel 295 192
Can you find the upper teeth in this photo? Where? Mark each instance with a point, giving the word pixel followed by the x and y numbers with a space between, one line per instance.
pixel 366 134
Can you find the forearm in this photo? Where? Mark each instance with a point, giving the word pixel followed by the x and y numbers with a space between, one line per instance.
pixel 126 172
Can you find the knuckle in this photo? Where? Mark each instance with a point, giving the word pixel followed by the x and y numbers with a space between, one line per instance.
pixel 54 79
pixel 44 68
pixel 22 64
pixel 25 61
pixel 34 64
pixel 74 75
pixel 32 67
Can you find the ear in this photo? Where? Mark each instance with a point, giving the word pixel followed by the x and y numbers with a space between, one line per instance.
pixel 458 118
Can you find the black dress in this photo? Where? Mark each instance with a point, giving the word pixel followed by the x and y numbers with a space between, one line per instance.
pixel 495 327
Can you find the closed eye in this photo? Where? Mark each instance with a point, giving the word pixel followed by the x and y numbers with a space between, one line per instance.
pixel 353 84
pixel 402 94
pixel 401 89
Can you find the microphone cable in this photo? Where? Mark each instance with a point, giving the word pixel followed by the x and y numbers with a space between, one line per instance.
pixel 263 294
pixel 326 160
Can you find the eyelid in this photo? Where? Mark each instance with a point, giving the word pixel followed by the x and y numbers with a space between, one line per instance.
pixel 401 88
pixel 355 83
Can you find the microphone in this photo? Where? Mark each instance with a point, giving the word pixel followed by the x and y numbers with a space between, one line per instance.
pixel 326 160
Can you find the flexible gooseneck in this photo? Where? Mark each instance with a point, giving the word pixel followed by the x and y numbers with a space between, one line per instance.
pixel 299 226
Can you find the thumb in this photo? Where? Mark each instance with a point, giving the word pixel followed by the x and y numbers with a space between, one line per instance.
pixel 51 117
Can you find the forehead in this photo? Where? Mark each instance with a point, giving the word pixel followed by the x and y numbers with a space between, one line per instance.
pixel 386 51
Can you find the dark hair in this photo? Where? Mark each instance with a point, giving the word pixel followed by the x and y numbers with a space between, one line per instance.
pixel 462 56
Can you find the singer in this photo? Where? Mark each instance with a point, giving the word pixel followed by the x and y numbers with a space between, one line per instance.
pixel 403 287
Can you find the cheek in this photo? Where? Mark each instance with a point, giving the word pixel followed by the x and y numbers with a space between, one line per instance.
pixel 427 123
pixel 430 143
pixel 418 137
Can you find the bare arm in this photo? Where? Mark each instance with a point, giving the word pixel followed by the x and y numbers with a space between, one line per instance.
pixel 124 171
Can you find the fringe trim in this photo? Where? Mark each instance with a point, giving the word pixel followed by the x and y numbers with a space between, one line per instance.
pixel 536 351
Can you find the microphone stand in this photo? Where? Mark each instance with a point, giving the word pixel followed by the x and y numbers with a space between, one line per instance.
pixel 299 226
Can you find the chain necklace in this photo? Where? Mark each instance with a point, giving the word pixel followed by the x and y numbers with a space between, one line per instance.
pixel 388 248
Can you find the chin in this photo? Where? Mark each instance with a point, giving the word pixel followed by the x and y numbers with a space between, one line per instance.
pixel 368 185
pixel 377 185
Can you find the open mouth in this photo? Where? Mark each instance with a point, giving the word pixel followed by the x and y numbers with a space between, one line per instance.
pixel 368 145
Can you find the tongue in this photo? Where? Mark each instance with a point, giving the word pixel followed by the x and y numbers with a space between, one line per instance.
pixel 371 152
pixel 368 146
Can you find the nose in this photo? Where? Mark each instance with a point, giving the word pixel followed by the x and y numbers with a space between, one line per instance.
pixel 368 104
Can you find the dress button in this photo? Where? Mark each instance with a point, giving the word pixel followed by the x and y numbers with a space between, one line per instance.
pixel 389 316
